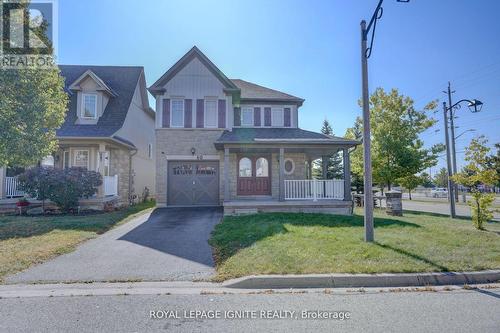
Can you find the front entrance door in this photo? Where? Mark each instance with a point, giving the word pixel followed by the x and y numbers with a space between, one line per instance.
pixel 193 183
pixel 254 175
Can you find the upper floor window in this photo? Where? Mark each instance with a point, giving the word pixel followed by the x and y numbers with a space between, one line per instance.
pixel 247 117
pixel 210 113
pixel 177 113
pixel 277 118
pixel 89 106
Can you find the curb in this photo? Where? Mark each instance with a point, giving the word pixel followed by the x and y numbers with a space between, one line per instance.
pixel 362 280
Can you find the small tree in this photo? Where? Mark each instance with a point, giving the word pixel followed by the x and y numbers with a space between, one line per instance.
pixel 410 183
pixel 475 174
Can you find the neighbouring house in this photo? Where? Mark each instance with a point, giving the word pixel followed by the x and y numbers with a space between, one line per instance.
pixel 236 144
pixel 109 128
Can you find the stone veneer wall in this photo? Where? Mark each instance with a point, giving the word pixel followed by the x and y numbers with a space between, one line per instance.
pixel 179 142
pixel 120 166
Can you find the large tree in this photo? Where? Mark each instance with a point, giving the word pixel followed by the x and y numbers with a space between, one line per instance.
pixel 441 178
pixel 397 150
pixel 493 162
pixel 356 156
pixel 32 106
pixel 334 169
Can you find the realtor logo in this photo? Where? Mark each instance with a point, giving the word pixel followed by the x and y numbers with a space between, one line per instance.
pixel 29 33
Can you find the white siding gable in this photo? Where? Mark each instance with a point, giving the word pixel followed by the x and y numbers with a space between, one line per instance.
pixel 194 81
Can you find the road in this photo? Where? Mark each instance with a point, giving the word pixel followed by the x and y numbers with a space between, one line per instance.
pixel 439 208
pixel 459 310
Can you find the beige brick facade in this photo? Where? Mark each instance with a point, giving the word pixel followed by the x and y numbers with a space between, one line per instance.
pixel 119 165
pixel 178 142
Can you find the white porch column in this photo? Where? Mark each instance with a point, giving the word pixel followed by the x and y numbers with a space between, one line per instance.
pixel 100 167
pixel 226 174
pixel 2 182
pixel 282 175
pixel 347 174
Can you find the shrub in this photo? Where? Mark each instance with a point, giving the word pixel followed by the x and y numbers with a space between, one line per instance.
pixel 62 186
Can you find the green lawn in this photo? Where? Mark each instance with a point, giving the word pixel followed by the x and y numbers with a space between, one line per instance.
pixel 25 241
pixel 280 243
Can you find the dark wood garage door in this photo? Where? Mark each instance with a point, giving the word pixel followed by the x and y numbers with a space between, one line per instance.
pixel 193 183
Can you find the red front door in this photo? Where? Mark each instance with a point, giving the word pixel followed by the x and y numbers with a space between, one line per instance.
pixel 254 175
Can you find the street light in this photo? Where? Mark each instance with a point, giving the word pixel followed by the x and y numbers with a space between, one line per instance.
pixel 474 106
pixel 469 130
pixel 367 159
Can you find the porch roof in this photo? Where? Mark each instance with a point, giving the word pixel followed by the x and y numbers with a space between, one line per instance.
pixel 279 136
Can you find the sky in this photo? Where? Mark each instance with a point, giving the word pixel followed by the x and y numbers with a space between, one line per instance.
pixel 310 49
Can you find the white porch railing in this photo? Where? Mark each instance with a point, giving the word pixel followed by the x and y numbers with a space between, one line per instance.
pixel 110 184
pixel 314 189
pixel 12 187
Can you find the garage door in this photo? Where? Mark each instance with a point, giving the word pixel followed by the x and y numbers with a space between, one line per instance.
pixel 193 183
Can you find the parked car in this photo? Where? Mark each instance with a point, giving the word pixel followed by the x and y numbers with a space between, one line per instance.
pixel 439 192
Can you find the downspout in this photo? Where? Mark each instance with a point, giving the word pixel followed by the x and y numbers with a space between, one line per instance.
pixel 131 154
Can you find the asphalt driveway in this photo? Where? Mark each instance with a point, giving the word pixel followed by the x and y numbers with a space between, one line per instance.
pixel 168 244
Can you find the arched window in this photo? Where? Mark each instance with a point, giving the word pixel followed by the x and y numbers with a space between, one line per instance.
pixel 245 167
pixel 262 167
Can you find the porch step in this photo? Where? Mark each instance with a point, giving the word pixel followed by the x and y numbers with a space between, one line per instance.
pixel 245 211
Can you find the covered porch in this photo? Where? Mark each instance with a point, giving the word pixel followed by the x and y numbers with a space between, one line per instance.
pixel 277 176
pixel 108 158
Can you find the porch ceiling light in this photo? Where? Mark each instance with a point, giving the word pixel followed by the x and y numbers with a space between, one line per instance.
pixel 193 151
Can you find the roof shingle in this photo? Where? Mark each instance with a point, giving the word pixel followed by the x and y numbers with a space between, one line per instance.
pixel 252 91
pixel 121 79
pixel 266 135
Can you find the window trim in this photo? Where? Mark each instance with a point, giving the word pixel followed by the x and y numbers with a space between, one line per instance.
pixel 82 111
pixel 210 99
pixel 172 111
pixel 282 111
pixel 251 109
pixel 88 158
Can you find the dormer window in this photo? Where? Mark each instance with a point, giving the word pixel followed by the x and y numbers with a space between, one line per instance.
pixel 89 106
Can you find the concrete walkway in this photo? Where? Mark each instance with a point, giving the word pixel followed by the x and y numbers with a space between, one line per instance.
pixel 170 244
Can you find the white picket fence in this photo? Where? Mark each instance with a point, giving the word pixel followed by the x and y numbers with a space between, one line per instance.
pixel 110 185
pixel 314 189
pixel 12 187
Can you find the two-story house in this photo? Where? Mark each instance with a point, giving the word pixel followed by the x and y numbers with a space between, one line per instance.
pixel 229 142
pixel 108 128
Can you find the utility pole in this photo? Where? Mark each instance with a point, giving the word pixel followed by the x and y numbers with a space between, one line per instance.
pixel 366 51
pixel 452 133
pixel 451 197
pixel 367 159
